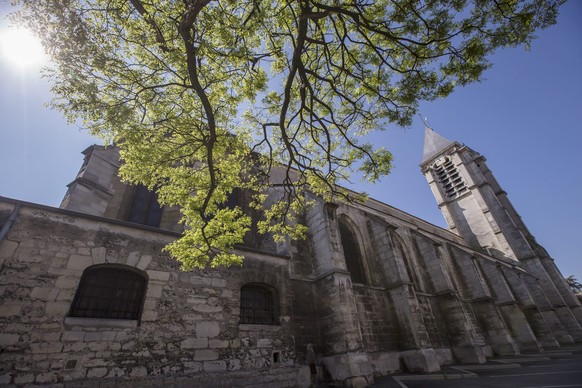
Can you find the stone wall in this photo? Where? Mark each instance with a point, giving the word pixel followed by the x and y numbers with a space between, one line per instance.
pixel 377 320
pixel 189 325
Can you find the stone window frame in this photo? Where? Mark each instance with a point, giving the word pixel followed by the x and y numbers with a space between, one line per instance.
pixel 259 305
pixel 136 295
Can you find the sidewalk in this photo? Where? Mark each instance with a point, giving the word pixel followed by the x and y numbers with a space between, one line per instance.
pixel 557 367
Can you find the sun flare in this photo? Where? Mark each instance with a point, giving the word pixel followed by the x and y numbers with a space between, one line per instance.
pixel 20 47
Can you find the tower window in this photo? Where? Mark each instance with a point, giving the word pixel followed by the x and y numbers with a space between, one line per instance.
pixel 258 305
pixel 233 199
pixel 110 292
pixel 145 208
pixel 449 177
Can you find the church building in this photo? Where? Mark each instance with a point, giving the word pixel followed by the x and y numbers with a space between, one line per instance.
pixel 89 298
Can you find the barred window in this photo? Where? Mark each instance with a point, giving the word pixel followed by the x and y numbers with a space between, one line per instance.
pixel 110 292
pixel 258 305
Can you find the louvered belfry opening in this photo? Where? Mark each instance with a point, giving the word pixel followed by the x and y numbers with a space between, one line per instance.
pixel 450 179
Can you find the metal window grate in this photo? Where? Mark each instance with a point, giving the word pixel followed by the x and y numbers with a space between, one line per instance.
pixel 109 292
pixel 256 305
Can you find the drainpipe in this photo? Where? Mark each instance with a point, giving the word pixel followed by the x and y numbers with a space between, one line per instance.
pixel 8 224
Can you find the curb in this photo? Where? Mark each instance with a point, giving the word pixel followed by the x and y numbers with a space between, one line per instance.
pixel 491 367
pixel 521 359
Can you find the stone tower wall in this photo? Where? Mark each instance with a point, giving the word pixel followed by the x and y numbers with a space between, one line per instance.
pixel 484 217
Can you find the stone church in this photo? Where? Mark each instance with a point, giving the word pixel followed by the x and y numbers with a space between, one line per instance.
pixel 90 299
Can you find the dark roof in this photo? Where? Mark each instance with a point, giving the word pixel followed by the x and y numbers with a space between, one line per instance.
pixel 434 144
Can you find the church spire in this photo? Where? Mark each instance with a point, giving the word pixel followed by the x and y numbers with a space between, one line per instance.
pixel 434 144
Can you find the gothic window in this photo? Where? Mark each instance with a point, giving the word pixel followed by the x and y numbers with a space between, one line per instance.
pixel 412 276
pixel 258 304
pixel 145 208
pixel 240 198
pixel 233 199
pixel 449 177
pixel 351 253
pixel 111 292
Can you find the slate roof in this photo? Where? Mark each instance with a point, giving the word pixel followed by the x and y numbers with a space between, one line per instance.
pixel 434 144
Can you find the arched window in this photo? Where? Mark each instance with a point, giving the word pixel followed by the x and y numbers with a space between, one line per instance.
pixel 232 199
pixel 111 292
pixel 352 253
pixel 408 262
pixel 145 208
pixel 259 304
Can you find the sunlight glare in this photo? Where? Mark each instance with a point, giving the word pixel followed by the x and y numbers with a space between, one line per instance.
pixel 21 47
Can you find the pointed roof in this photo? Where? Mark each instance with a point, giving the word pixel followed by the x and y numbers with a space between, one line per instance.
pixel 434 144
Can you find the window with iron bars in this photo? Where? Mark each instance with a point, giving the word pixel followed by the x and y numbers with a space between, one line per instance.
pixel 109 292
pixel 258 305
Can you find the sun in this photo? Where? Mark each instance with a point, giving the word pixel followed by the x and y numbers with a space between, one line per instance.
pixel 21 47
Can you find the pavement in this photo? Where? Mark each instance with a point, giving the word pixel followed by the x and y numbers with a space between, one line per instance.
pixel 560 368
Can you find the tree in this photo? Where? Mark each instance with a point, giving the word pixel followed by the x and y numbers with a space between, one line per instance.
pixel 204 96
pixel 574 285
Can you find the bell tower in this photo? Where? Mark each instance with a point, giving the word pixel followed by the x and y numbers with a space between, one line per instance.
pixel 474 205
pixel 477 209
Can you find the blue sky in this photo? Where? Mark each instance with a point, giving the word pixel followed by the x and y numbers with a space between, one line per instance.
pixel 525 117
